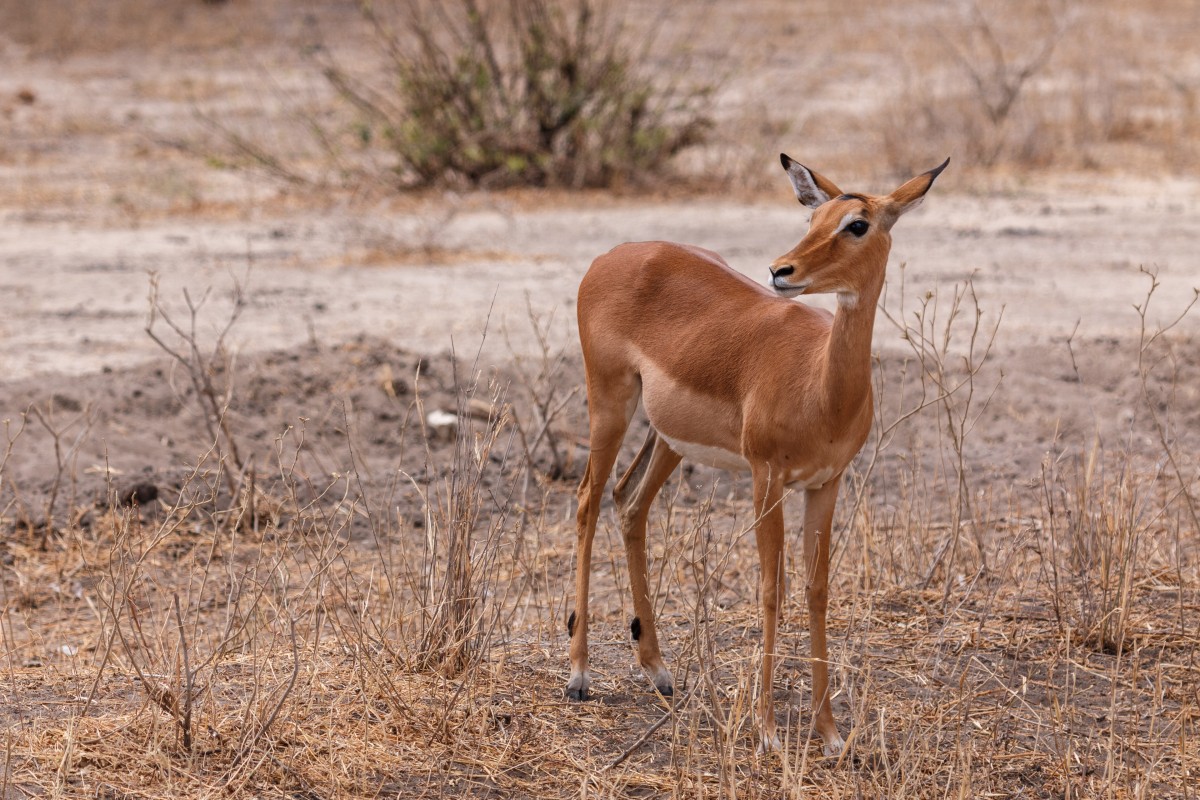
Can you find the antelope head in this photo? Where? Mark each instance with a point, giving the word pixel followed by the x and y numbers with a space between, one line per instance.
pixel 846 248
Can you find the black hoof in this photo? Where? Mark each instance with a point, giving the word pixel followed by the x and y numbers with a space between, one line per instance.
pixel 666 691
pixel 577 694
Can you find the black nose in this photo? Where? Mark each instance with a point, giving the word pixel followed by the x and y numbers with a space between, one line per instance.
pixel 781 272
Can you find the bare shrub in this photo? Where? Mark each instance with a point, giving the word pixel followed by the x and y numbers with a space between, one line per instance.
pixel 209 370
pixel 1098 521
pixel 1158 376
pixel 67 437
pixel 458 566
pixel 1104 512
pixel 12 432
pixel 1042 83
pixel 528 92
pixel 949 343
pixel 979 108
pixel 546 395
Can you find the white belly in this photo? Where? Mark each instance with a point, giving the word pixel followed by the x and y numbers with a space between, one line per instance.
pixel 705 454
pixel 814 480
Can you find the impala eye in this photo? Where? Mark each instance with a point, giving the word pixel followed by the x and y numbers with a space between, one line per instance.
pixel 858 227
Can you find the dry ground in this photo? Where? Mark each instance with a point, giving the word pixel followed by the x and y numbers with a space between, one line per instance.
pixel 1015 603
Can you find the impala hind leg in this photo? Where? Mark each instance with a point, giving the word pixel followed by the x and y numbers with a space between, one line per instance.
pixel 608 416
pixel 634 494
pixel 818 521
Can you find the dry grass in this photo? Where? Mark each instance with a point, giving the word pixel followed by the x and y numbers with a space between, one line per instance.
pixel 395 628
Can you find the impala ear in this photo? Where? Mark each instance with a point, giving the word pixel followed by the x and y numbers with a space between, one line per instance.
pixel 812 189
pixel 911 193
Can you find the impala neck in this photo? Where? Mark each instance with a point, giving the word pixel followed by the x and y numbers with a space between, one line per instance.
pixel 848 354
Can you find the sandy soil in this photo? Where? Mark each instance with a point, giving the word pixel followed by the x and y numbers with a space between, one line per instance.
pixel 1056 261
pixel 1052 258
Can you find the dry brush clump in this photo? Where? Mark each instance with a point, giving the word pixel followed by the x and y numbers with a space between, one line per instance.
pixel 1122 515
pixel 525 92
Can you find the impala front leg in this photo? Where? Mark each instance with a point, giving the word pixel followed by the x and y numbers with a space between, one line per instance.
pixel 768 506
pixel 818 521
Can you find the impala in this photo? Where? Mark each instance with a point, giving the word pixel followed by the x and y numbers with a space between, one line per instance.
pixel 737 376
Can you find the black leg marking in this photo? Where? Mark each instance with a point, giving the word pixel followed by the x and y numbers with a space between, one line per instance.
pixel 635 628
pixel 571 625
